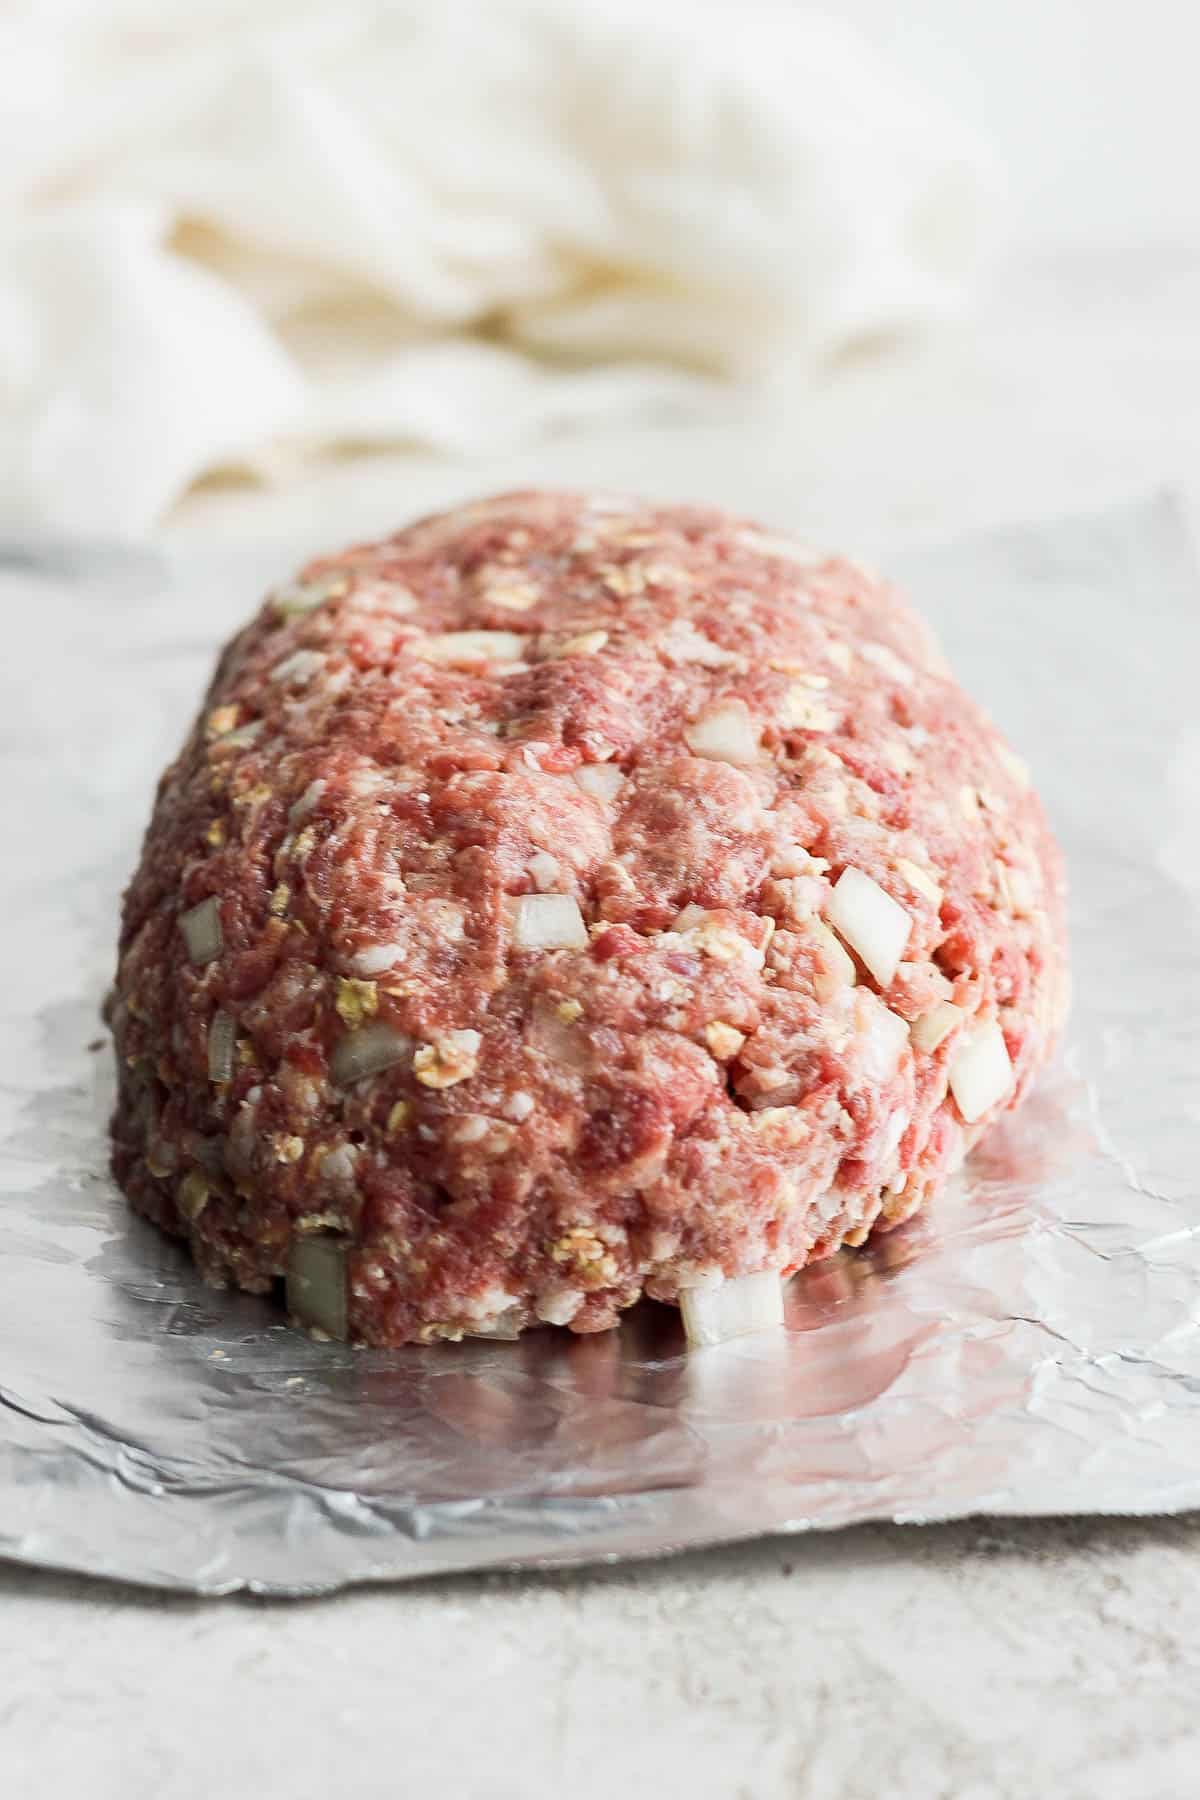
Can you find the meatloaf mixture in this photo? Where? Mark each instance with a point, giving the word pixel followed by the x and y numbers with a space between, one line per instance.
pixel 569 899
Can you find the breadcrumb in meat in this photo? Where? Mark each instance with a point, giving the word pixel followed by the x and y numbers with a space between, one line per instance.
pixel 594 898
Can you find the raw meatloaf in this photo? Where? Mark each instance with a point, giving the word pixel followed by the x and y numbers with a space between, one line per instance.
pixel 567 899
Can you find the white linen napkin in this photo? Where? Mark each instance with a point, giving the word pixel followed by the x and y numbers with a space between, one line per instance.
pixel 313 224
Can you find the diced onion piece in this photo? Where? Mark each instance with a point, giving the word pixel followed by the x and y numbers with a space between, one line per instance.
pixel 585 643
pixel 297 668
pixel 803 709
pixel 1018 769
pixel 554 1034
pixel 304 596
pixel 201 928
pixel 980 1072
pixel 548 922
pixel 784 548
pixel 316 1282
pixel 887 660
pixel 506 1326
pixel 885 1040
pixel 835 964
pixel 682 643
pixel 724 734
pixel 222 1030
pixel 921 879
pixel 544 872
pixel 376 958
pixel 472 647
pixel 897 1125
pixel 871 922
pixel 733 1309
pixel 301 808
pixel 368 1051
pixel 933 1026
pixel 601 780
pixel 244 736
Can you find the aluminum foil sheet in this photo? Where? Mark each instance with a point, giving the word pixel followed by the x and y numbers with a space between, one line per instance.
pixel 1031 1346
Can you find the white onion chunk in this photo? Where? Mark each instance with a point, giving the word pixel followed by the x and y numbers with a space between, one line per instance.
pixel 724 734
pixel 933 1026
pixel 548 922
pixel 461 647
pixel 601 780
pixel 201 928
pixel 222 1031
pixel 316 1283
pixel 367 1051
pixel 981 1073
pixel 733 1309
pixel 874 925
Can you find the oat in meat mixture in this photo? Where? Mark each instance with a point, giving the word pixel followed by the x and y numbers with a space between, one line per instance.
pixel 567 899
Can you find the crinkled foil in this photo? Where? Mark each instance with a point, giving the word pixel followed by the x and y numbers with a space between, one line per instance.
pixel 1029 1347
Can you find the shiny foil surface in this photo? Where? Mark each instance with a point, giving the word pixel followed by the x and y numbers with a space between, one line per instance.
pixel 1031 1345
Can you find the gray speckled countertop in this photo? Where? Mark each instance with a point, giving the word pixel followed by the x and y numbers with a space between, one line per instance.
pixel 964 1662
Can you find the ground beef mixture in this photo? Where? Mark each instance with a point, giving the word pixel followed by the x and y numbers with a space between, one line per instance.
pixel 570 898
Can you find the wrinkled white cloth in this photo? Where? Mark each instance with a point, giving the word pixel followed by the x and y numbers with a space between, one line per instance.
pixel 230 230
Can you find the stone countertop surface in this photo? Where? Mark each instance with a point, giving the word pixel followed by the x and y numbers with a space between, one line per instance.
pixel 976 1661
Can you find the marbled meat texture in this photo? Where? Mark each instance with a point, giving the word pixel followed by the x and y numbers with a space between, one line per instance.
pixel 484 921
